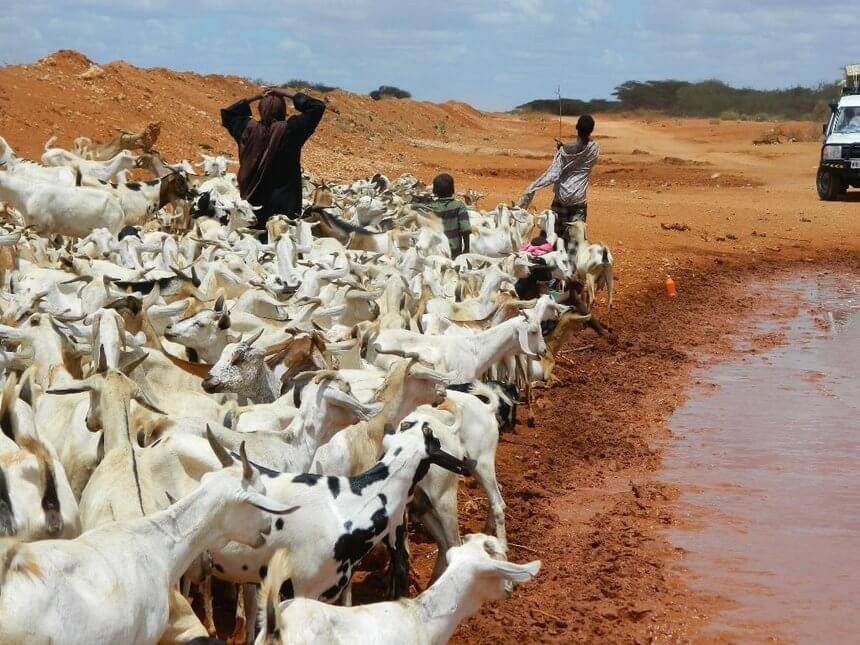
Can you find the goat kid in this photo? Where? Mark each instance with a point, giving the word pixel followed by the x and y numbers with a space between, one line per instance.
pixel 478 572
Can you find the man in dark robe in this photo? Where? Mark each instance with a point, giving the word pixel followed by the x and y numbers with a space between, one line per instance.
pixel 270 165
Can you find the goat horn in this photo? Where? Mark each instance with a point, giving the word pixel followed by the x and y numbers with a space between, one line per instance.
pixel 68 319
pixel 247 471
pixel 305 376
pixel 328 375
pixel 432 374
pixel 396 352
pixel 219 450
pixel 78 278
pixel 254 338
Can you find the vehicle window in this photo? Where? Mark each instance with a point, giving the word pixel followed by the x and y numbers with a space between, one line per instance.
pixel 847 121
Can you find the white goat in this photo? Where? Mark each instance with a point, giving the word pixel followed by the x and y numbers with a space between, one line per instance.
pixel 592 264
pixel 477 573
pixel 128 569
pixel 114 169
pixel 468 356
pixel 61 210
pixel 347 515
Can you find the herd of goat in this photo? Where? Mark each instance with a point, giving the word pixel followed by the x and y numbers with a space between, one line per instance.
pixel 186 398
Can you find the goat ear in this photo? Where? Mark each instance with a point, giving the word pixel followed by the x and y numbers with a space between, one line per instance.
pixel 129 365
pixel 405 425
pixel 101 363
pixel 25 394
pixel 268 505
pixel 194 279
pixel 219 304
pixel 97 323
pixel 247 471
pixel 7 402
pixel 428 433
pixel 77 388
pixel 517 572
pixel 144 399
pixel 224 321
pixel 219 450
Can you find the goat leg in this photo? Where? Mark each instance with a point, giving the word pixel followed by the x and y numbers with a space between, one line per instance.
pixel 239 634
pixel 208 613
pixel 399 555
pixel 250 592
pixel 575 300
pixel 522 373
pixel 441 523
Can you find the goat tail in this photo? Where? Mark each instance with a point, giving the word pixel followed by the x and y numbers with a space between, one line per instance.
pixel 8 551
pixel 277 583
pixel 7 404
pixel 606 257
pixel 454 410
pixel 50 143
pixel 487 395
pixel 13 559
pixel 48 476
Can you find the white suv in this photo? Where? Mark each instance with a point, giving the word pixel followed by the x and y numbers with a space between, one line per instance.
pixel 840 154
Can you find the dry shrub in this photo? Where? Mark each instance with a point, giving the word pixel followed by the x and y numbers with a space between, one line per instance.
pixel 801 132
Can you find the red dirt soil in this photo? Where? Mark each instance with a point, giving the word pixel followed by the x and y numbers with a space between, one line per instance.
pixel 580 487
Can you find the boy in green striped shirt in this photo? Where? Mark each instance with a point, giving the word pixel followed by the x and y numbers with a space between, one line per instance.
pixel 455 217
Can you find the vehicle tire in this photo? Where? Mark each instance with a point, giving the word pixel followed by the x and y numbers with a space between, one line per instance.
pixel 828 184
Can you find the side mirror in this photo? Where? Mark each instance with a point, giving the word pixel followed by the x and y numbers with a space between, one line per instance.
pixel 833 107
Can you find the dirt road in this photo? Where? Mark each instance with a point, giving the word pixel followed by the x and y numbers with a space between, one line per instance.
pixel 580 488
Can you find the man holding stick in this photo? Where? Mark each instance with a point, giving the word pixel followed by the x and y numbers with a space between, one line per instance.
pixel 569 173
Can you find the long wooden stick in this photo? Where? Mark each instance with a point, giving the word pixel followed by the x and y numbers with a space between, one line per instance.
pixel 546 613
pixel 524 548
pixel 558 93
pixel 572 350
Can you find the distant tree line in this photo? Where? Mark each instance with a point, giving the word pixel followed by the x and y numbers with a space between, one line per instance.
pixel 298 83
pixel 383 92
pixel 711 98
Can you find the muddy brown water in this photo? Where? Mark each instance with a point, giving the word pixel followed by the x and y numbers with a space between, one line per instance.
pixel 767 455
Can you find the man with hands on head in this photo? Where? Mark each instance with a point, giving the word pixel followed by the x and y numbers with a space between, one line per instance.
pixel 270 167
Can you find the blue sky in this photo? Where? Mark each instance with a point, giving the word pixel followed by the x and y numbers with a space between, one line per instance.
pixel 494 54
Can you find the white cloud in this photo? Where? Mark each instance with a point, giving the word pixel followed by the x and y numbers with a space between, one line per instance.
pixel 494 53
pixel 295 48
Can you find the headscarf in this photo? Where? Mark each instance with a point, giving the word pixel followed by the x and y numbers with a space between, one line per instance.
pixel 259 147
pixel 272 108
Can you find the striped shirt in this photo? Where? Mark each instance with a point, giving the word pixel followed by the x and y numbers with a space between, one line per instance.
pixel 455 221
pixel 568 172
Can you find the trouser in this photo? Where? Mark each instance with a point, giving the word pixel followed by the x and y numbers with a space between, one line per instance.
pixel 286 200
pixel 564 215
pixel 263 214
